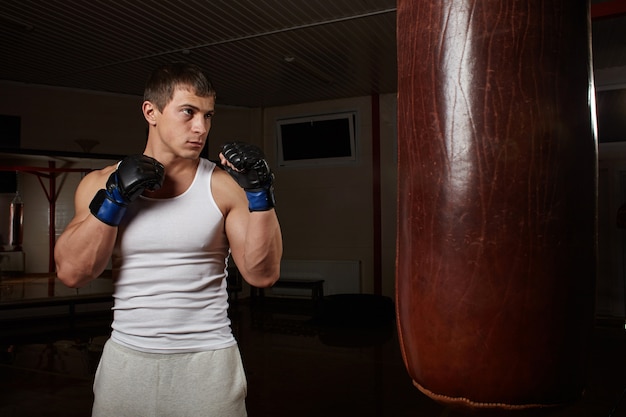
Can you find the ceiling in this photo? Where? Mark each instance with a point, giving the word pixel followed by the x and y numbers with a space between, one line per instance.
pixel 258 53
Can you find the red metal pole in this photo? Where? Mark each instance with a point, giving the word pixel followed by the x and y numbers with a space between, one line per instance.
pixel 376 193
pixel 52 218
pixel 51 226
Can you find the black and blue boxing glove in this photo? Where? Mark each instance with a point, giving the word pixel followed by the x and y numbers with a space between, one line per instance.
pixel 252 173
pixel 134 174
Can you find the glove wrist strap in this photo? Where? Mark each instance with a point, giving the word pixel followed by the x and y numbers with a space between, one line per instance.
pixel 106 209
pixel 261 200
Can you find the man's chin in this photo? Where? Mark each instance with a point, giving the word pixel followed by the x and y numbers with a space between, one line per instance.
pixel 191 154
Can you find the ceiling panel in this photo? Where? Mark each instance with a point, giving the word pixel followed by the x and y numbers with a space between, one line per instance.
pixel 258 53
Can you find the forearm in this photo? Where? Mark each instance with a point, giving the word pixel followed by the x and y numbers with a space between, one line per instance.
pixel 83 251
pixel 252 225
pixel 263 249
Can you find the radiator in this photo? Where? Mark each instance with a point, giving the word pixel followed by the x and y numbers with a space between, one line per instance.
pixel 12 261
pixel 340 277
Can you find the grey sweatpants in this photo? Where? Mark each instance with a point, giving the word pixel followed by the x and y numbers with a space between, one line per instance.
pixel 129 383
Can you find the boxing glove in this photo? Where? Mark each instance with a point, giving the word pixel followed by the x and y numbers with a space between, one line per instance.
pixel 252 173
pixel 134 174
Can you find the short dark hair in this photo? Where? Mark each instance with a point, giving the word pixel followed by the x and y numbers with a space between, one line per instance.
pixel 164 80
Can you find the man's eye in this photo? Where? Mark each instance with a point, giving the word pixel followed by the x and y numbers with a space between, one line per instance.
pixel 208 116
pixel 188 112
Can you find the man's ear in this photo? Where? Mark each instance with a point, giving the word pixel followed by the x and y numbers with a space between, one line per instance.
pixel 149 112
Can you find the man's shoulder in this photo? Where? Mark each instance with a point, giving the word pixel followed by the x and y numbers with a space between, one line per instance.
pixel 220 175
pixel 226 192
pixel 98 177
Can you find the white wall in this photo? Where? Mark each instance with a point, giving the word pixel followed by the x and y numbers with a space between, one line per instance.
pixel 326 213
pixel 389 189
pixel 54 118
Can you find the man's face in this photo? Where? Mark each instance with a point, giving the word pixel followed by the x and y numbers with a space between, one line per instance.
pixel 184 123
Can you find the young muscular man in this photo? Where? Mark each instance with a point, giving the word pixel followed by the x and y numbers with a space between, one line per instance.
pixel 169 219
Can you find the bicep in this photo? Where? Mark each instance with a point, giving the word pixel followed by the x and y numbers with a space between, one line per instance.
pixel 233 204
pixel 236 226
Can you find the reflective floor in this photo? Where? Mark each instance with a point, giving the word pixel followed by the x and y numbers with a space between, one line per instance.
pixel 296 366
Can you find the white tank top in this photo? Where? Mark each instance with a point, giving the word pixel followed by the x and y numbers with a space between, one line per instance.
pixel 169 270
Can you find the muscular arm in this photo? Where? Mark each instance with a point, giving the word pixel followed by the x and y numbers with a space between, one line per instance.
pixel 255 237
pixel 83 250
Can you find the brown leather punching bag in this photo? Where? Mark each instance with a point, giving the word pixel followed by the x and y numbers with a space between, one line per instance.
pixel 496 255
